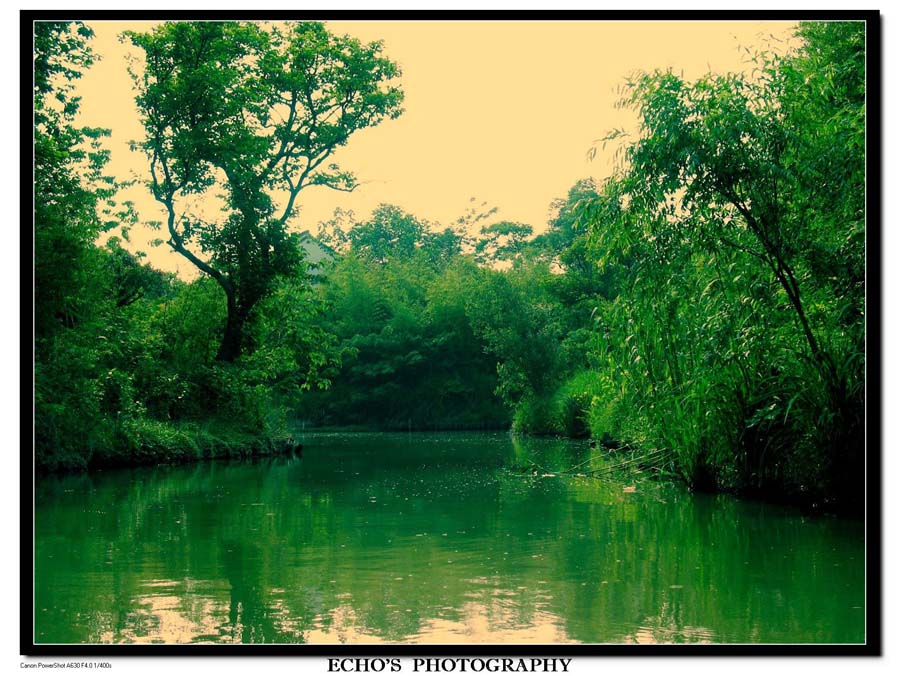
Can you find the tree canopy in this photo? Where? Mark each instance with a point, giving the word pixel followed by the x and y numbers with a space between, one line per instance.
pixel 257 111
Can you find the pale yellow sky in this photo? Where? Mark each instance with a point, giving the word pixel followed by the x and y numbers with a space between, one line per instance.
pixel 501 111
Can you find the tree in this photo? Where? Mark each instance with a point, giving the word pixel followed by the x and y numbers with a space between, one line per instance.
pixel 512 313
pixel 256 111
pixel 389 233
pixel 130 279
pixel 73 294
pixel 503 241
pixel 562 229
pixel 68 179
pixel 736 228
pixel 741 161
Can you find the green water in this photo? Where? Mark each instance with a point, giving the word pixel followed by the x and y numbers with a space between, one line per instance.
pixel 438 538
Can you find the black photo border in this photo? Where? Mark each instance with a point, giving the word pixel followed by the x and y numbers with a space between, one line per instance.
pixel 873 368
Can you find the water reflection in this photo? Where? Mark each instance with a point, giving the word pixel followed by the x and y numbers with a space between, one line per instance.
pixel 431 539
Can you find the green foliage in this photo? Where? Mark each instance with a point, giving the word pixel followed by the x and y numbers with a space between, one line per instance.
pixel 432 338
pixel 72 289
pixel 573 400
pixel 535 415
pixel 391 234
pixel 294 351
pixel 573 409
pixel 516 317
pixel 736 336
pixel 254 111
pixel 706 302
pixel 68 178
pixel 605 414
pixel 147 441
pixel 503 241
pixel 410 356
pixel 129 363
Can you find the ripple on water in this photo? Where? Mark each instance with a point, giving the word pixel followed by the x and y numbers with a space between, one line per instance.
pixel 432 539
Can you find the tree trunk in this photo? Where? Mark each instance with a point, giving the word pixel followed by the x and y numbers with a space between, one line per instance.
pixel 232 339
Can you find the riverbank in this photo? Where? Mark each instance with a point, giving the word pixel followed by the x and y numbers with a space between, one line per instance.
pixel 760 453
pixel 147 442
pixel 141 442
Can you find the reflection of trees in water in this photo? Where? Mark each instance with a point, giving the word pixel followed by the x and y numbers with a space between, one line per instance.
pixel 358 546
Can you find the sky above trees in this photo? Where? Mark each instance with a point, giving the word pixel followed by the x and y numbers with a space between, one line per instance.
pixel 500 112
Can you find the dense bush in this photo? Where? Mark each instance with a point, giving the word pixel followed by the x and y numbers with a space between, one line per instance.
pixel 736 338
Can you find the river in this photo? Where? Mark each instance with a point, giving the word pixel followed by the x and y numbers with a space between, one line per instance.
pixel 432 538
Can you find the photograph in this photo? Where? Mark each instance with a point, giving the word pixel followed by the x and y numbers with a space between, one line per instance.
pixel 428 332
